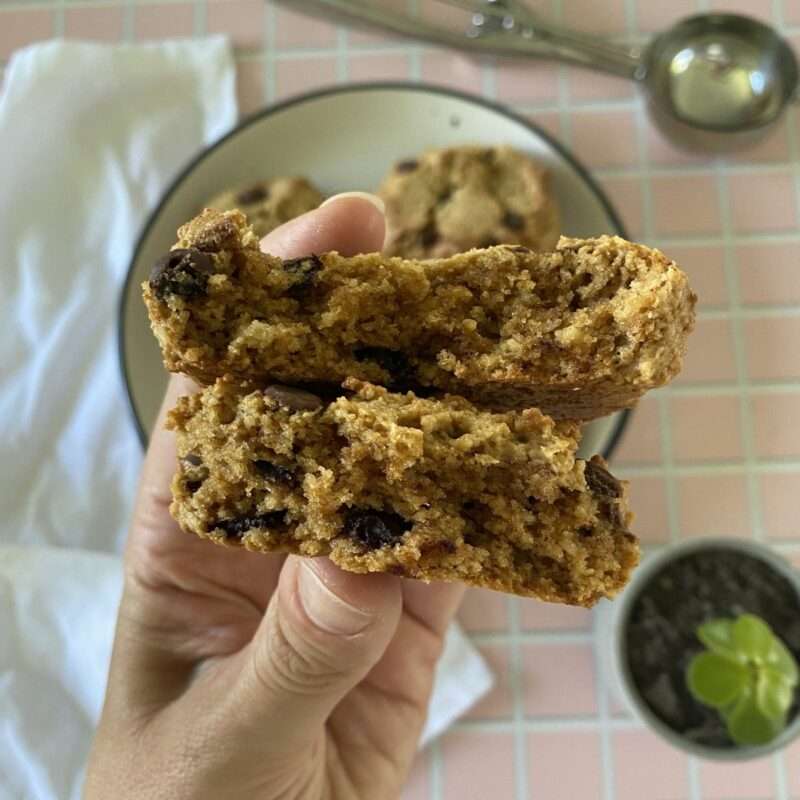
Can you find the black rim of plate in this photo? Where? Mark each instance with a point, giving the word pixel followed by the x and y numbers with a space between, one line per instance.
pixel 423 88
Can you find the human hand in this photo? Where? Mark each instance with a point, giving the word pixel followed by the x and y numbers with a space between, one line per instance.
pixel 243 675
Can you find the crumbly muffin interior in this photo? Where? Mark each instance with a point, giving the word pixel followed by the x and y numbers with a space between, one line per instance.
pixel 578 332
pixel 380 481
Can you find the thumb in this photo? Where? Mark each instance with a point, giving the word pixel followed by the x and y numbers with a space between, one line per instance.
pixel 323 631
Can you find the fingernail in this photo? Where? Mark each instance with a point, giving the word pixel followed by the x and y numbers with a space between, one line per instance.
pixel 327 610
pixel 370 198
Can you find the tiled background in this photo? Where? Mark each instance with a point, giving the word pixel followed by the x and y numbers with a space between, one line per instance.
pixel 716 453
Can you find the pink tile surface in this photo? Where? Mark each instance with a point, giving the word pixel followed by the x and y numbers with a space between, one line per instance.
pixel 549 121
pixel 647 767
pixel 705 267
pixel 478 765
pixel 164 21
pixel 378 67
pixel 710 357
pixel 662 151
pixel 418 782
pixel 791 757
pixel 498 703
pixel 626 196
pixel 641 442
pixel 772 147
pixel 535 615
pixel 791 15
pixel 606 18
pixel 297 75
pixel 526 82
pixel 482 610
pixel 241 20
pixel 779 492
pixel 760 9
pixel 96 23
pixel 548 668
pixel 565 766
pixel 648 501
pixel 585 86
pixel 713 505
pixel 768 272
pixel 706 428
pixel 775 208
pixel 651 16
pixel 685 204
pixel 21 27
pixel 605 138
pixel 776 425
pixel 249 86
pixel 773 348
pixel 451 69
pixel 754 780
pixel 302 30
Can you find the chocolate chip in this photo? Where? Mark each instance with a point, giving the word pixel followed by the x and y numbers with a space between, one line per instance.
pixel 407 166
pixel 192 459
pixel 274 472
pixel 520 249
pixel 181 272
pixel 302 272
pixel 293 399
pixel 600 481
pixel 425 506
pixel 429 235
pixel 193 486
pixel 392 361
pixel 238 527
pixel 513 221
pixel 586 532
pixel 375 529
pixel 614 514
pixel 255 194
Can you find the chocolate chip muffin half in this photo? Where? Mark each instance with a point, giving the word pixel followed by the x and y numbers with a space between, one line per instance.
pixel 579 332
pixel 270 203
pixel 435 489
pixel 443 202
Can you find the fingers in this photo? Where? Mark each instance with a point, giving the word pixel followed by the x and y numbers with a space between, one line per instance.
pixel 322 633
pixel 349 223
pixel 433 605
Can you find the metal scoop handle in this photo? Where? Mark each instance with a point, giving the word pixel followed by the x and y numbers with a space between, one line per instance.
pixel 517 32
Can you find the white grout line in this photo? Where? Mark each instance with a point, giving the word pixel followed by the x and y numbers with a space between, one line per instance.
pixel 693 777
pixel 548 725
pixel 435 774
pixel 532 637
pixel 128 21
pixel 516 671
pixel 270 90
pixel 787 466
pixel 58 19
pixel 342 66
pixel 692 170
pixel 740 356
pixel 201 17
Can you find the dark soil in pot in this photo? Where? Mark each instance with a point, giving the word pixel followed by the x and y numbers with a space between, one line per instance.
pixel 660 633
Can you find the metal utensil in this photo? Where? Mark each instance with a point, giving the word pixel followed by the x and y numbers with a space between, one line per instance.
pixel 714 81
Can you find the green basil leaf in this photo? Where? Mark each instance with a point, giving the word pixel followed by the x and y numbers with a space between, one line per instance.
pixel 782 660
pixel 717 636
pixel 752 637
pixel 715 680
pixel 773 694
pixel 748 725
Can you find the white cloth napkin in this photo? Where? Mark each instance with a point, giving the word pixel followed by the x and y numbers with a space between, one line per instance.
pixel 90 136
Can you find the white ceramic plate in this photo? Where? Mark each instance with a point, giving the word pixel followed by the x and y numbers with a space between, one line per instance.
pixel 344 139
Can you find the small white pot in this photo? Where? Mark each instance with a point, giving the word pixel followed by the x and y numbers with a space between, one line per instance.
pixel 614 618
